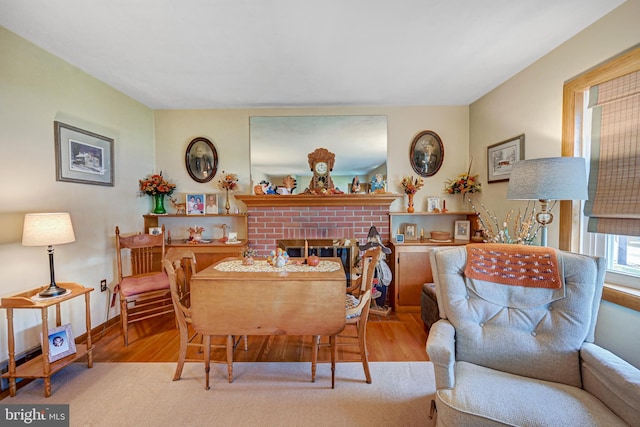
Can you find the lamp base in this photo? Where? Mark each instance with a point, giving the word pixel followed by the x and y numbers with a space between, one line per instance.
pixel 52 291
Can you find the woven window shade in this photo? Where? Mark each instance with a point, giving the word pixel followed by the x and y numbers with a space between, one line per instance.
pixel 614 180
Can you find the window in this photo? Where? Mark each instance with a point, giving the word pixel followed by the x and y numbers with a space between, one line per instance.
pixel 621 252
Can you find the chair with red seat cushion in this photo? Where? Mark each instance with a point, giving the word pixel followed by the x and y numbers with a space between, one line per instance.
pixel 145 292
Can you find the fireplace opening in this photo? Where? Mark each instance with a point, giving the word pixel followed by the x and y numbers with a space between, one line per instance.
pixel 345 249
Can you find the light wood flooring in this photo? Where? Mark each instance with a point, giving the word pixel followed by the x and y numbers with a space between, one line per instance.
pixel 393 338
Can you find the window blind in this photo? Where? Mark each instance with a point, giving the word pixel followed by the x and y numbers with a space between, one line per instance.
pixel 614 179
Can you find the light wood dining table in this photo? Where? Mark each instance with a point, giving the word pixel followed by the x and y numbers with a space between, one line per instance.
pixel 230 299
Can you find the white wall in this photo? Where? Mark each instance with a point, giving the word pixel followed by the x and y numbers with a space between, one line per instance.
pixel 531 103
pixel 36 89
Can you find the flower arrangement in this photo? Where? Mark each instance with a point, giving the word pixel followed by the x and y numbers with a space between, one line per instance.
pixel 229 181
pixel 463 183
pixel 156 184
pixel 523 231
pixel 411 185
pixel 196 229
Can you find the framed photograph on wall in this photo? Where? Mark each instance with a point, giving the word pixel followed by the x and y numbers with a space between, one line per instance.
pixel 195 204
pixel 426 153
pixel 211 204
pixel 82 156
pixel 462 230
pixel 201 160
pixel 433 204
pixel 61 343
pixel 502 156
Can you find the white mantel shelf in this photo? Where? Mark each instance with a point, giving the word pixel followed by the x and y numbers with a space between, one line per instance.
pixel 301 200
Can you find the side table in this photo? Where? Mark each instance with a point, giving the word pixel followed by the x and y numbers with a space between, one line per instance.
pixel 39 367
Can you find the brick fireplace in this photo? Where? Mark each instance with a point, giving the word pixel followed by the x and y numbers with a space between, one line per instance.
pixel 314 217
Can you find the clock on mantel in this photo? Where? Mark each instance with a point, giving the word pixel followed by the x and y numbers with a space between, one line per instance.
pixel 321 164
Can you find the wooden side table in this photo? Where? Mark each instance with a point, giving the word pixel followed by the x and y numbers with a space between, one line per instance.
pixel 40 367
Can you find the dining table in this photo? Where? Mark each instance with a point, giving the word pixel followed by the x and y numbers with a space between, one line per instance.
pixel 230 299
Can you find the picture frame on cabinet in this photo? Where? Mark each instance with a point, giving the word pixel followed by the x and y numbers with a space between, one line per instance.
pixel 61 342
pixel 433 204
pixel 155 231
pixel 410 231
pixel 399 238
pixel 426 153
pixel 195 204
pixel 211 205
pixel 502 156
pixel 462 230
pixel 83 157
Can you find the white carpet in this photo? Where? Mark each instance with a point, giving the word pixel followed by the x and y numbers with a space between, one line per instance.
pixel 262 394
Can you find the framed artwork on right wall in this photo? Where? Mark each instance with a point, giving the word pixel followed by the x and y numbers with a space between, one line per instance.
pixel 502 156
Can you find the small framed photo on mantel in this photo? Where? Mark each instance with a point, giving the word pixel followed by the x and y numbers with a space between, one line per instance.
pixel 195 204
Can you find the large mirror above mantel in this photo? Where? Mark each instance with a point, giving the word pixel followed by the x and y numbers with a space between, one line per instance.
pixel 280 146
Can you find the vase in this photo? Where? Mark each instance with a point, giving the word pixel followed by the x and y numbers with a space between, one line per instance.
pixel 247 260
pixel 464 203
pixel 195 236
pixel 410 207
pixel 227 206
pixel 158 204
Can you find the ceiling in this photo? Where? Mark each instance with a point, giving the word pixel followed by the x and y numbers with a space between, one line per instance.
pixel 194 54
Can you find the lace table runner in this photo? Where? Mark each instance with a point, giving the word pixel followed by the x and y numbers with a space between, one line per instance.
pixel 261 266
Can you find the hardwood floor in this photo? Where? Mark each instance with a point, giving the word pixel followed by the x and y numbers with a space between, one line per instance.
pixel 393 338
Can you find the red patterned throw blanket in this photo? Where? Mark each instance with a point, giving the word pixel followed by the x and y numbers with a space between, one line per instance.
pixel 515 265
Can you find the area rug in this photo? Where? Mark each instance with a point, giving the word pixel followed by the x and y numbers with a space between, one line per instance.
pixel 262 394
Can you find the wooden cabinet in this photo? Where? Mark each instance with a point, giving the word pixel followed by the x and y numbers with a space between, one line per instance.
pixel 176 228
pixel 409 260
pixel 39 367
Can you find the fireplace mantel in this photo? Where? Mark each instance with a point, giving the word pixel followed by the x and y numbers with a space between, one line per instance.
pixel 301 200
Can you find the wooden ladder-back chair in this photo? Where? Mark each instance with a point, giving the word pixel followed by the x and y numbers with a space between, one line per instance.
pixel 145 292
pixel 357 314
pixel 180 266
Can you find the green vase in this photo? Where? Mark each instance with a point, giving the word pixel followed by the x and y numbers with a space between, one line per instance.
pixel 158 204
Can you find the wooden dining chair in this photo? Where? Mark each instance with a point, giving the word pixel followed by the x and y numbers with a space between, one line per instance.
pixel 144 293
pixel 357 314
pixel 180 265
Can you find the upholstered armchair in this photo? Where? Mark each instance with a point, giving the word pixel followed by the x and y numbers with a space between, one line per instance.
pixel 514 343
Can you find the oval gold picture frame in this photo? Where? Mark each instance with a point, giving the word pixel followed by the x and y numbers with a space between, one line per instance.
pixel 201 160
pixel 426 153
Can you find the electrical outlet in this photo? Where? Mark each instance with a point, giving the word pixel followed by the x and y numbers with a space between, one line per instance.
pixel 103 285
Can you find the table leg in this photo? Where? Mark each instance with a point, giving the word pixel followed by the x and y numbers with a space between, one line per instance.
pixel 12 353
pixel 207 359
pixel 314 356
pixel 334 352
pixel 45 351
pixel 230 347
pixel 87 307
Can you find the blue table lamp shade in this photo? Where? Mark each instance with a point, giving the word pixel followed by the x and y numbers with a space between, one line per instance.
pixel 548 179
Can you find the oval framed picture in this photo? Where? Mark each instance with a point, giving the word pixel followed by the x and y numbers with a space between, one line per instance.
pixel 201 160
pixel 426 153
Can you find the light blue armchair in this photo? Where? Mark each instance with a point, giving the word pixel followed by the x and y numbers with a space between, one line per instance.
pixel 524 355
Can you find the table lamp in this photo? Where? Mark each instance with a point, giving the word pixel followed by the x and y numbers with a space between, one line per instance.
pixel 546 180
pixel 48 229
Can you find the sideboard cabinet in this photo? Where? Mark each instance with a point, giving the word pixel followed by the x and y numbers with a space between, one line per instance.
pixel 216 226
pixel 409 260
